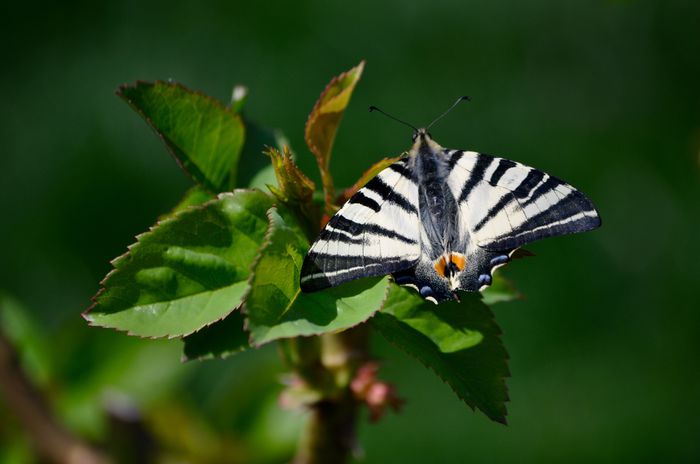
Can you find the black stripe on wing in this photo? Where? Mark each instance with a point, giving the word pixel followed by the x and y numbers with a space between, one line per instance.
pixel 545 187
pixel 531 181
pixel 340 222
pixel 401 168
pixel 564 211
pixel 375 233
pixel 378 186
pixel 362 199
pixel 353 267
pixel 571 214
pixel 476 176
pixel 503 166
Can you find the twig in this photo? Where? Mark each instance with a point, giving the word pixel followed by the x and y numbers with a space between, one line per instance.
pixel 330 434
pixel 52 441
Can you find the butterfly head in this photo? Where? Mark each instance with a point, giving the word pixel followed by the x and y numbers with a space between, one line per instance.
pixel 423 142
pixel 420 134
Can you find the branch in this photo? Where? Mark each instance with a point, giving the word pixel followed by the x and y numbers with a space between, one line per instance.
pixel 52 441
pixel 330 434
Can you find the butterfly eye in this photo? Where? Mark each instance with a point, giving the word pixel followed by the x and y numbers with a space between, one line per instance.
pixel 414 136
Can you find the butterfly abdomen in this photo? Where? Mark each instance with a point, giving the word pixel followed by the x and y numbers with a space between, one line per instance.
pixel 436 204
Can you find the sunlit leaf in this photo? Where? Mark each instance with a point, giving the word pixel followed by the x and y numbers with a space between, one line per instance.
pixel 187 271
pixel 219 340
pixel 276 307
pixel 459 341
pixel 193 197
pixel 323 122
pixel 203 135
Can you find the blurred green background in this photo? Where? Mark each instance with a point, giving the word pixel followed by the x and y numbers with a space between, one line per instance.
pixel 605 94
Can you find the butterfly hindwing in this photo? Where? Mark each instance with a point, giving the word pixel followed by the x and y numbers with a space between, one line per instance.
pixel 374 233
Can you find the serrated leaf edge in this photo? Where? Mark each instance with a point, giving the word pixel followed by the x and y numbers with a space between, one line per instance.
pixel 120 93
pixel 266 242
pixel 85 314
pixel 210 356
pixel 501 420
pixel 313 115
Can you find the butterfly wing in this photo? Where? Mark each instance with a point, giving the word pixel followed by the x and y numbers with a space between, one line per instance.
pixel 375 233
pixel 503 205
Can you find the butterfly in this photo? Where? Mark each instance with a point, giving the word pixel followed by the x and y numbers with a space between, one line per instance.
pixel 441 220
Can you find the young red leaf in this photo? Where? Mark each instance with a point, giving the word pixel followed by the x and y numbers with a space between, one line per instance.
pixel 323 123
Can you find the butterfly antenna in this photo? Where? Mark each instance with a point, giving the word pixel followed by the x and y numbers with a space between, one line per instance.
pixel 374 108
pixel 459 100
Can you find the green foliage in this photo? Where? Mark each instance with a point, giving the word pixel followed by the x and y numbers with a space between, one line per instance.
pixel 323 123
pixel 276 307
pixel 194 196
pixel 219 340
pixel 223 272
pixel 294 189
pixel 294 186
pixel 187 271
pixel 205 137
pixel 460 341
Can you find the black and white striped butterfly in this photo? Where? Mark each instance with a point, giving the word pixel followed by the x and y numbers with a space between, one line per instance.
pixel 442 220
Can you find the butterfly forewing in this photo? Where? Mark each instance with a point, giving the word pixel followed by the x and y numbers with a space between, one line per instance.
pixel 504 204
pixel 374 233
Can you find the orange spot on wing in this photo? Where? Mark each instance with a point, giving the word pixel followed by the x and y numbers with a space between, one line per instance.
pixel 440 266
pixel 459 259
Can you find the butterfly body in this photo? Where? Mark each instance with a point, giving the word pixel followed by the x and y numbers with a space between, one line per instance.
pixel 442 220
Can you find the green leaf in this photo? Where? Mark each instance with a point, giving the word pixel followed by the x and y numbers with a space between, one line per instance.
pixel 203 135
pixel 294 190
pixel 264 178
pixel 501 290
pixel 323 122
pixel 219 340
pixel 460 341
pixel 187 271
pixel 194 197
pixel 293 185
pixel 276 307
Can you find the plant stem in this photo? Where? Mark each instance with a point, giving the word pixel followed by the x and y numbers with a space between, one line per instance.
pixel 330 434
